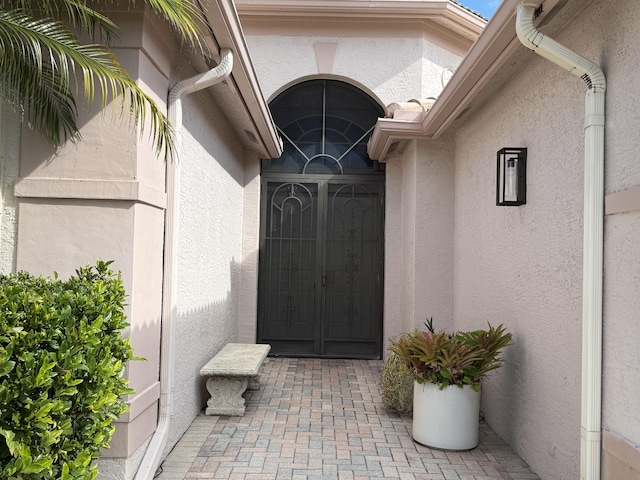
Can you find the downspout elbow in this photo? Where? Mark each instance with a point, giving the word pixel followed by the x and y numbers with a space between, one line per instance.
pixel 557 53
pixel 205 80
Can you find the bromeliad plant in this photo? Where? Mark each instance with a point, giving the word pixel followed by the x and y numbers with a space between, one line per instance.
pixel 459 358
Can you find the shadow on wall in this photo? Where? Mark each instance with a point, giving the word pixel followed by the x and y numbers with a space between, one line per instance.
pixel 200 332
pixel 98 129
pixel 515 368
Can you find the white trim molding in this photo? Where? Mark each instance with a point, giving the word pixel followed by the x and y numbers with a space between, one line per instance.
pixel 450 15
pixel 624 201
pixel 90 189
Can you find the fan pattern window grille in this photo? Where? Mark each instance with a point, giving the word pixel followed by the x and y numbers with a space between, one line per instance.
pixel 325 126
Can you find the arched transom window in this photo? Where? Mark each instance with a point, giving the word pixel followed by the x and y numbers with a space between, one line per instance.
pixel 325 126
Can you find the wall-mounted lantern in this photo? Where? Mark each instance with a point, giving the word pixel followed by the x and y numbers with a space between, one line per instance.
pixel 511 182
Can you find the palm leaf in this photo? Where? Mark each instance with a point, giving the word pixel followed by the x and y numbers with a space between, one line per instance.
pixel 53 54
pixel 183 15
pixel 81 15
pixel 54 110
pixel 76 12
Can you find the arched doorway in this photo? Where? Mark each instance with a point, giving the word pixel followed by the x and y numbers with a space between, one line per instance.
pixel 322 224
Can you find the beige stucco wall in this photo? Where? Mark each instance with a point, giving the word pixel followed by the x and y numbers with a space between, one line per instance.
pixel 105 197
pixel 9 167
pixel 419 237
pixel 617 43
pixel 210 250
pixel 522 266
pixel 434 227
pixel 248 295
pixel 395 64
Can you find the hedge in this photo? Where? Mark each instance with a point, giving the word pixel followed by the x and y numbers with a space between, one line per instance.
pixel 62 359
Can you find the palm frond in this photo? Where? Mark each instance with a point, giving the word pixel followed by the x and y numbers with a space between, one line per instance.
pixel 76 12
pixel 183 15
pixel 80 15
pixel 54 54
pixel 54 111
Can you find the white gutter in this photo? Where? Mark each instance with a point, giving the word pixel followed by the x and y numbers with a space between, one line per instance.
pixel 593 230
pixel 153 454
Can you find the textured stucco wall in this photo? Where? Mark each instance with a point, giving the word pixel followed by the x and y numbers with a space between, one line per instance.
pixel 119 468
pixel 523 266
pixel 247 308
pixel 397 68
pixel 616 43
pixel 419 237
pixel 395 322
pixel 408 233
pixel 434 190
pixel 621 333
pixel 9 166
pixel 209 250
pixel 62 234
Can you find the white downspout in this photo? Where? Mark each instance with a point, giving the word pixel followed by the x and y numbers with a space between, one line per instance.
pixel 153 454
pixel 593 230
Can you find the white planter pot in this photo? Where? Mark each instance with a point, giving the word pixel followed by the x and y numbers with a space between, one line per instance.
pixel 446 419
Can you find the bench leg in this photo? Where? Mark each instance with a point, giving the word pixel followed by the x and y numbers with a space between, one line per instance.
pixel 254 383
pixel 226 395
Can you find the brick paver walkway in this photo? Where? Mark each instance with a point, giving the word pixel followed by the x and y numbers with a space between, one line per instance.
pixel 322 419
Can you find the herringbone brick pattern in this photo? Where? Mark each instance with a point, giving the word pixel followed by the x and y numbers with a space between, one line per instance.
pixel 322 419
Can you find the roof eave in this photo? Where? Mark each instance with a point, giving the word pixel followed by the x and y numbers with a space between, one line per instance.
pixel 226 32
pixel 451 15
pixel 388 133
pixel 488 54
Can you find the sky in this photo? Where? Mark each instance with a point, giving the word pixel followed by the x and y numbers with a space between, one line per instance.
pixel 483 7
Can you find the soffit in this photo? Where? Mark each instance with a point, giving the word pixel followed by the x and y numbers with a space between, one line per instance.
pixel 356 13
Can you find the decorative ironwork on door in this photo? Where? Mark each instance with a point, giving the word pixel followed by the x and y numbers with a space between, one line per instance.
pixel 289 262
pixel 353 268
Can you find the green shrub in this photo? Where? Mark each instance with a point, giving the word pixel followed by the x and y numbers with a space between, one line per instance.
pixel 397 385
pixel 62 357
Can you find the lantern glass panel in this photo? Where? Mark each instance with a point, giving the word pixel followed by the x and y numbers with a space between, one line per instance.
pixel 511 177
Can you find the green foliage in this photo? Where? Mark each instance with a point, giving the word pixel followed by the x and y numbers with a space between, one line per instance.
pixel 459 358
pixel 397 385
pixel 44 62
pixel 62 357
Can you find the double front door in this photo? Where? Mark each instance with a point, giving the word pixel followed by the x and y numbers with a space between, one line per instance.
pixel 321 266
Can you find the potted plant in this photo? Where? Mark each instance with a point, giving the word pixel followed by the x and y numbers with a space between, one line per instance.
pixel 448 369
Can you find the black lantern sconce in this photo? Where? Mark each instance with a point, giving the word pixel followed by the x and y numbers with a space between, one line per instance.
pixel 511 182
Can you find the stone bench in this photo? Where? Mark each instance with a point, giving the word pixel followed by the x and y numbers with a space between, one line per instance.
pixel 233 370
